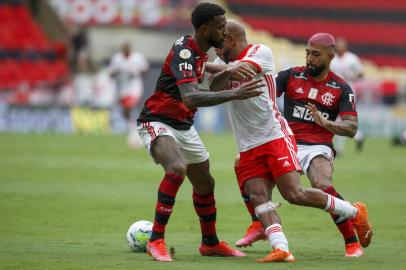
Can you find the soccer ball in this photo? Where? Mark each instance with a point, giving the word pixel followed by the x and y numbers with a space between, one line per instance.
pixel 138 235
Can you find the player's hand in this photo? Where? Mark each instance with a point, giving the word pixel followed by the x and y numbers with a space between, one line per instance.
pixel 241 72
pixel 249 89
pixel 318 119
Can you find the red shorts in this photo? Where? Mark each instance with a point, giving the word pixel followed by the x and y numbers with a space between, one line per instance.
pixel 270 160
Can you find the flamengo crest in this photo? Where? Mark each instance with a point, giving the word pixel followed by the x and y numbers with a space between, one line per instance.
pixel 328 98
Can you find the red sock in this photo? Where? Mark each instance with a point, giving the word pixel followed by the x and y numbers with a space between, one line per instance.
pixel 345 226
pixel 167 190
pixel 205 207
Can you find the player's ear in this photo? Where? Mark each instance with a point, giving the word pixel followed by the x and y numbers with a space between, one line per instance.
pixel 204 29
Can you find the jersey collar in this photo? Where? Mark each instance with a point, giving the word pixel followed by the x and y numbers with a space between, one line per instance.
pixel 329 75
pixel 243 53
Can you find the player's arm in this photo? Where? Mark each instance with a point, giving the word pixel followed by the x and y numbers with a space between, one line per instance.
pixel 238 72
pixel 193 97
pixel 282 80
pixel 346 127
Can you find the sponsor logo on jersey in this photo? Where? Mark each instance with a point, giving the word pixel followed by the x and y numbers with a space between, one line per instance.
pixel 299 90
pixel 300 76
pixel 303 113
pixel 185 54
pixel 313 93
pixel 286 164
pixel 253 51
pixel 186 69
pixel 333 85
pixel 185 66
pixel 328 98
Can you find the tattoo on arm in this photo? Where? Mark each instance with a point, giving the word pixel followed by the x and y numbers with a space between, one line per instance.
pixel 346 127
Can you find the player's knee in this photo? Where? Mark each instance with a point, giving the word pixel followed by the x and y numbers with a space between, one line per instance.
pixel 178 168
pixel 295 196
pixel 258 197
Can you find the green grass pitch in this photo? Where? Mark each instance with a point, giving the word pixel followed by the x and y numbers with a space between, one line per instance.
pixel 66 202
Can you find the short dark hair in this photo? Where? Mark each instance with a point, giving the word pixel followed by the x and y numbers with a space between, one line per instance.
pixel 205 12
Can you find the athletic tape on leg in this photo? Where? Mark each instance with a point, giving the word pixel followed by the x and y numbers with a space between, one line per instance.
pixel 266 207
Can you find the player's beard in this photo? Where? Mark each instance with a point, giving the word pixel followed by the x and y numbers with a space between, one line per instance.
pixel 219 44
pixel 315 71
pixel 227 56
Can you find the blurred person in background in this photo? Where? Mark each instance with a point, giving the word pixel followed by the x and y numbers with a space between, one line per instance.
pixel 127 68
pixel 349 67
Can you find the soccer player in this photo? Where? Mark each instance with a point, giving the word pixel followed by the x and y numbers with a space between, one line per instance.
pixel 268 149
pixel 314 97
pixel 127 68
pixel 166 128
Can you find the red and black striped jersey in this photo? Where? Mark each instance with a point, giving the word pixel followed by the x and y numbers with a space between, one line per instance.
pixel 184 63
pixel 332 97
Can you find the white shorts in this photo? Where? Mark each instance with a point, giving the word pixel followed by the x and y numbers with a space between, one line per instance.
pixel 188 141
pixel 306 153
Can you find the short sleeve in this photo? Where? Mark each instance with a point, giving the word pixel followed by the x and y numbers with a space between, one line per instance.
pixel 282 81
pixel 182 65
pixel 261 57
pixel 347 101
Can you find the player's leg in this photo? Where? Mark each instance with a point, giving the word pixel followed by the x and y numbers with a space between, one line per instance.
pixel 162 145
pixel 320 174
pixel 260 192
pixel 245 196
pixel 255 231
pixel 287 180
pixel 205 207
pixel 291 190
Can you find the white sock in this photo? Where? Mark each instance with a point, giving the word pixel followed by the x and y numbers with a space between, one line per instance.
pixel 340 208
pixel 276 237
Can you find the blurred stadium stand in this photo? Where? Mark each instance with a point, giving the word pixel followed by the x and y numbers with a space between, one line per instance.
pixel 55 52
pixel 375 29
pixel 28 58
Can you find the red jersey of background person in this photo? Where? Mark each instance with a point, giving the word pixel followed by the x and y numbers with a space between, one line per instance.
pixel 185 63
pixel 332 97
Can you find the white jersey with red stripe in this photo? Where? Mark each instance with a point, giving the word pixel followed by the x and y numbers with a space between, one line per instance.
pixel 257 120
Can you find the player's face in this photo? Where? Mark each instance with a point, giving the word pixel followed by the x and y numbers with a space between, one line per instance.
pixel 227 48
pixel 317 60
pixel 217 31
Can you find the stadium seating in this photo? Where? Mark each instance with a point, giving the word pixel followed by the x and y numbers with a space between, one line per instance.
pixel 26 54
pixel 375 29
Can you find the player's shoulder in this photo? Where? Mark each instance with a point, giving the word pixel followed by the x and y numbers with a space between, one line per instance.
pixel 259 50
pixel 183 43
pixel 298 72
pixel 336 81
